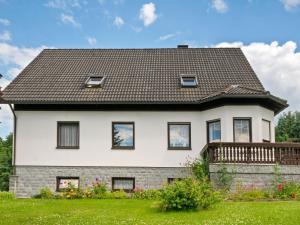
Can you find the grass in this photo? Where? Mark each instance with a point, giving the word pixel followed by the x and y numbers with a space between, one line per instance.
pixel 89 211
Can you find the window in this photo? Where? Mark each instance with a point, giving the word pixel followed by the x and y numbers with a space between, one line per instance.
pixel 214 131
pixel 188 81
pixel 179 136
pixel 68 135
pixel 123 135
pixel 172 179
pixel 94 81
pixel 65 182
pixel 242 130
pixel 123 183
pixel 266 131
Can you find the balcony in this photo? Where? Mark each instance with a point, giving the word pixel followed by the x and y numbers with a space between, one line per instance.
pixel 253 153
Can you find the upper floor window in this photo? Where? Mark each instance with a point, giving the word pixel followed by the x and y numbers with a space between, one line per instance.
pixel 266 131
pixel 242 130
pixel 179 135
pixel 123 135
pixel 214 131
pixel 68 134
pixel 188 80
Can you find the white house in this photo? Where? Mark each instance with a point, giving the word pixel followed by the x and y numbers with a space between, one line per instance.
pixel 130 117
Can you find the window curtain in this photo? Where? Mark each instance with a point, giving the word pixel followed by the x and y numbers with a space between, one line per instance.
pixel 69 135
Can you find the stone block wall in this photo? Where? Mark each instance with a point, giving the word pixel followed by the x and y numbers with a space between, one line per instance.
pixel 30 179
pixel 260 176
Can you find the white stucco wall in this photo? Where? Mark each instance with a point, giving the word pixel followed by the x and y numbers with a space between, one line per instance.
pixel 37 133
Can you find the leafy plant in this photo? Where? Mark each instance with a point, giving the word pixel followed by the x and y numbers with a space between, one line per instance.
pixel 287 190
pixel 5 195
pixel 146 194
pixel 116 195
pixel 46 193
pixel 187 194
pixel 249 193
pixel 224 178
pixel 199 168
pixel 99 189
pixel 5 162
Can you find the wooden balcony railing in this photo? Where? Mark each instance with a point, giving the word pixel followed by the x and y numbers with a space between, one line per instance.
pixel 254 153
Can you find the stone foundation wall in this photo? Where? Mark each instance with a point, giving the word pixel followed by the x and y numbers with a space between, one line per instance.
pixel 30 179
pixel 260 176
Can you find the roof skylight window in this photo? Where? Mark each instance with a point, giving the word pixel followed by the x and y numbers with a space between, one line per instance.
pixel 188 81
pixel 94 81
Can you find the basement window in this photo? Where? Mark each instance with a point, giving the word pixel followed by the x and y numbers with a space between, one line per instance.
pixel 94 81
pixel 188 81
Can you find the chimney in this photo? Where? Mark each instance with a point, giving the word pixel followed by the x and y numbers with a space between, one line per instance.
pixel 182 46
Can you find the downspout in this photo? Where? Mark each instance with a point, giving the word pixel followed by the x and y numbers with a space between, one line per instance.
pixel 14 139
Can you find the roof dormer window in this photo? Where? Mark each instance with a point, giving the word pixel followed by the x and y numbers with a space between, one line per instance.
pixel 94 81
pixel 188 81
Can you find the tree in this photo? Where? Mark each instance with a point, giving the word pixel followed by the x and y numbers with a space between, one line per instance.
pixel 117 138
pixel 288 127
pixel 5 162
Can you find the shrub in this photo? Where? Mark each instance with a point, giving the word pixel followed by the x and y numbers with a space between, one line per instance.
pixel 46 193
pixel 98 190
pixel 5 195
pixel 146 194
pixel 287 190
pixel 199 168
pixel 224 178
pixel 249 193
pixel 187 194
pixel 116 195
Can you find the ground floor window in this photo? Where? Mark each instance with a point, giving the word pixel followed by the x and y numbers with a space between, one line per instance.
pixel 67 134
pixel 123 135
pixel 214 131
pixel 63 183
pixel 172 179
pixel 179 136
pixel 242 130
pixel 123 183
pixel 266 130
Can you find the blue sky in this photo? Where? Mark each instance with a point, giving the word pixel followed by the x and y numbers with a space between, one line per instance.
pixel 267 31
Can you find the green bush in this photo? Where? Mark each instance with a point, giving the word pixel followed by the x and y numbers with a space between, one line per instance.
pixel 224 178
pixel 5 195
pixel 98 190
pixel 249 194
pixel 146 194
pixel 187 194
pixel 199 168
pixel 46 193
pixel 116 195
pixel 287 190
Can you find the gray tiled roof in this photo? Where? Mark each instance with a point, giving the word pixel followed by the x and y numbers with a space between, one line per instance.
pixel 133 76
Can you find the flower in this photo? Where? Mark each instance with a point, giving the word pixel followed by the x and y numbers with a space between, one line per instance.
pixel 293 195
pixel 279 187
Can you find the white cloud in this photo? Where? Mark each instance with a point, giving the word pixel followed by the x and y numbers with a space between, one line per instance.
pixel 147 14
pixel 4 21
pixel 16 59
pixel 92 41
pixel 63 4
pixel 118 21
pixel 277 66
pixel 290 4
pixel 136 29
pixel 166 37
pixel 68 19
pixel 220 6
pixel 5 36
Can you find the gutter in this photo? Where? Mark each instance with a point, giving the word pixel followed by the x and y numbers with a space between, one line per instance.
pixel 14 139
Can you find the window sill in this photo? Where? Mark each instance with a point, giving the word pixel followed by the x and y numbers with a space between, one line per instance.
pixel 189 149
pixel 70 148
pixel 122 148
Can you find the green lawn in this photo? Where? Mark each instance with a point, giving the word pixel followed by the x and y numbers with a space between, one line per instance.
pixel 36 211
